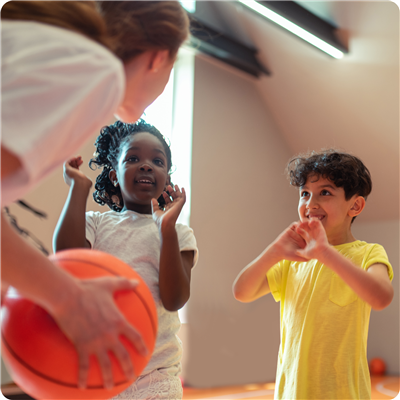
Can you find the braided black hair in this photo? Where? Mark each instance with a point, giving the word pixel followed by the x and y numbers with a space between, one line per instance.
pixel 108 147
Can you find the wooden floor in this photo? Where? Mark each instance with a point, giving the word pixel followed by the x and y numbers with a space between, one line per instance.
pixel 385 387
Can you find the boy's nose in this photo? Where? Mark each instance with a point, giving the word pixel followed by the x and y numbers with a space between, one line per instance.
pixel 312 203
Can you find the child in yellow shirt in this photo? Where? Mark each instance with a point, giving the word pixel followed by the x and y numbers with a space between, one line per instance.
pixel 326 280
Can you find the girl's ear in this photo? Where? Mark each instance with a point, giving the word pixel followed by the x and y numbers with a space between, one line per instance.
pixel 358 206
pixel 113 177
pixel 159 59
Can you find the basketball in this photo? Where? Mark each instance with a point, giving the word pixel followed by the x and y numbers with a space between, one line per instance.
pixel 377 366
pixel 40 358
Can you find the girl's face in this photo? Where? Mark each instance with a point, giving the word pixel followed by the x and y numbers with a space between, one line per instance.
pixel 142 172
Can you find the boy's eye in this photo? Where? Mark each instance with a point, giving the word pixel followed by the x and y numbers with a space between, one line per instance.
pixel 325 193
pixel 304 194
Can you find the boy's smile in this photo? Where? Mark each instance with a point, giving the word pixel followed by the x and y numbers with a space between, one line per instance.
pixel 142 172
pixel 320 198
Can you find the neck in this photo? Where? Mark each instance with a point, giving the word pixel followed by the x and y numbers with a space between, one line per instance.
pixel 341 238
pixel 139 208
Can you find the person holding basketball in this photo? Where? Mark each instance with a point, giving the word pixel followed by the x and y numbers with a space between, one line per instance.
pixel 67 67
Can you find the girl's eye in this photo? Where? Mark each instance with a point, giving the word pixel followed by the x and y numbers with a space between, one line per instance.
pixel 158 161
pixel 132 158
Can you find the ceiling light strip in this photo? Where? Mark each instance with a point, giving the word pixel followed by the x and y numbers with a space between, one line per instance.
pixel 291 27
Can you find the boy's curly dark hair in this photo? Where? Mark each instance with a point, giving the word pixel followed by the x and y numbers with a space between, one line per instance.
pixel 108 147
pixel 343 169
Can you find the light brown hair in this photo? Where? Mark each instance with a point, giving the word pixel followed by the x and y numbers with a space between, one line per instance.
pixel 137 26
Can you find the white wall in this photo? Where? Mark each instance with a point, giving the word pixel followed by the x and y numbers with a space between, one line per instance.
pixel 240 202
pixel 384 339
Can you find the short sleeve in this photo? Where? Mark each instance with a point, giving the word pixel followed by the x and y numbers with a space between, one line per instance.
pixel 274 277
pixel 92 218
pixel 58 89
pixel 376 254
pixel 187 241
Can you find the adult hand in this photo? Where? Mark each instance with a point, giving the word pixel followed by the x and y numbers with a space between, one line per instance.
pixel 170 214
pixel 72 173
pixel 94 324
pixel 314 236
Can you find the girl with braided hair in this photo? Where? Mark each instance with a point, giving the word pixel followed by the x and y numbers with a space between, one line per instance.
pixel 67 68
pixel 141 230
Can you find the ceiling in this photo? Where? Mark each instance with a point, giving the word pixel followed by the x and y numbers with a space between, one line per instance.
pixel 318 101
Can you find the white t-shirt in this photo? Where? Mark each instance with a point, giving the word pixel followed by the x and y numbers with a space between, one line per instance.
pixel 58 89
pixel 135 239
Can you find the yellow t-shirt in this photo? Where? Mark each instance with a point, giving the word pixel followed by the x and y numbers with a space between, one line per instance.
pixel 324 328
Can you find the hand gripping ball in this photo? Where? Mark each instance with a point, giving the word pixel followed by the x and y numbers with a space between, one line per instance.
pixel 42 360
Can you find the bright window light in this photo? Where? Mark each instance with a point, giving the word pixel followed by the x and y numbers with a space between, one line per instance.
pixel 290 26
pixel 189 5
pixel 172 114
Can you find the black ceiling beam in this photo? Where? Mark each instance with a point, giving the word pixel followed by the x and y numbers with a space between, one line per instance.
pixel 224 48
pixel 307 20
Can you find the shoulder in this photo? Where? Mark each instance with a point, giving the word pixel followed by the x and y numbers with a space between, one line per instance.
pixel 102 217
pixel 36 44
pixel 184 230
pixel 374 253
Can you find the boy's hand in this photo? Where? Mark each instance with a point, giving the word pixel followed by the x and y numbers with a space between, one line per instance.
pixel 72 173
pixel 288 243
pixel 168 217
pixel 314 235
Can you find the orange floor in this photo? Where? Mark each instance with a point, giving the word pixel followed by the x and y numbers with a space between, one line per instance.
pixel 385 387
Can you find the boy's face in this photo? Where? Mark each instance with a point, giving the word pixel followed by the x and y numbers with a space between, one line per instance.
pixel 321 198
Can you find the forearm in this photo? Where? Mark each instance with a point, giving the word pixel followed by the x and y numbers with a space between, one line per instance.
pixel 70 231
pixel 374 289
pixel 35 277
pixel 174 278
pixel 251 283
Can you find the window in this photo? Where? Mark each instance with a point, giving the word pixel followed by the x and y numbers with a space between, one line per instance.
pixel 172 114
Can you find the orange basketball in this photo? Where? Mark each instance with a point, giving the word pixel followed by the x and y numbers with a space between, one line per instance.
pixel 377 366
pixel 40 358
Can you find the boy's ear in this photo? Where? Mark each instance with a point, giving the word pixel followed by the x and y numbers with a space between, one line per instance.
pixel 113 177
pixel 158 59
pixel 358 206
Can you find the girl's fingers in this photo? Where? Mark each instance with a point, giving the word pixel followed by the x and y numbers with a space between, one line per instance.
pixel 154 206
pixel 167 198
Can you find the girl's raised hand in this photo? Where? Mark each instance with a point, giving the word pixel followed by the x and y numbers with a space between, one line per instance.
pixel 314 235
pixel 72 173
pixel 173 207
pixel 288 243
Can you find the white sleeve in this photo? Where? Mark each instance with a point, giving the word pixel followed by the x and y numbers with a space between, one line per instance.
pixel 58 89
pixel 92 218
pixel 187 241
